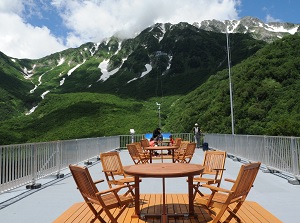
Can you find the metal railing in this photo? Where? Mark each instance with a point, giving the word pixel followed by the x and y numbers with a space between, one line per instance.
pixel 24 164
pixel 126 139
pixel 278 154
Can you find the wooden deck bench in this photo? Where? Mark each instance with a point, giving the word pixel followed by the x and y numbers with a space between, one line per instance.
pixel 250 212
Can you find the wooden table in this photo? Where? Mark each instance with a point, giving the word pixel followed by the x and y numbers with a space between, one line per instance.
pixel 152 149
pixel 164 143
pixel 164 170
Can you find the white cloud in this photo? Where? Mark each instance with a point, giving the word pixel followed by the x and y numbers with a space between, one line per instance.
pixel 93 20
pixel 269 18
pixel 11 6
pixel 22 40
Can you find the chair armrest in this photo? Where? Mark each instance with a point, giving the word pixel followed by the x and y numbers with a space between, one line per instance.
pixel 98 181
pixel 229 180
pixel 109 171
pixel 214 188
pixel 116 188
pixel 219 169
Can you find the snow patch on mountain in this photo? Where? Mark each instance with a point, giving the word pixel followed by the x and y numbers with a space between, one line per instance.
pixel 103 66
pixel 43 95
pixel 74 68
pixel 32 90
pixel 105 73
pixel 28 73
pixel 34 107
pixel 148 69
pixel 281 29
pixel 61 61
pixel 31 110
pixel 119 48
pixel 94 49
pixel 62 82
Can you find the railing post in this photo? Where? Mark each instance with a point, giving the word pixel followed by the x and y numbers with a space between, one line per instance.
pixel 295 162
pixel 59 160
pixel 267 154
pixel 34 164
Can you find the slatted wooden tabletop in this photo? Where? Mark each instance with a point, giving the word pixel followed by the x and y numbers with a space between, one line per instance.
pixel 250 212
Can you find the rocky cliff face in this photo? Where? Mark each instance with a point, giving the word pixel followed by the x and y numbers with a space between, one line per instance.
pixel 256 28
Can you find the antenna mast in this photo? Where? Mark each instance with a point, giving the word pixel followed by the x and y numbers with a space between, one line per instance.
pixel 230 85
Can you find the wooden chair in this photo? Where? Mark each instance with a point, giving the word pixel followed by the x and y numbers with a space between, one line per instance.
pixel 187 154
pixel 213 163
pixel 136 156
pixel 181 149
pixel 221 198
pixel 144 143
pixel 178 141
pixel 107 199
pixel 114 172
pixel 141 150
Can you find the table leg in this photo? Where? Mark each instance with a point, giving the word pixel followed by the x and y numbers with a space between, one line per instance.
pixel 164 212
pixel 137 197
pixel 151 154
pixel 190 192
pixel 172 151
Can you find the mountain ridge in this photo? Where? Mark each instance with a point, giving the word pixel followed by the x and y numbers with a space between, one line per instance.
pixel 164 62
pixel 256 28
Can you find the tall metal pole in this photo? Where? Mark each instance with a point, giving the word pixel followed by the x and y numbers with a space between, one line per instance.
pixel 230 85
pixel 159 120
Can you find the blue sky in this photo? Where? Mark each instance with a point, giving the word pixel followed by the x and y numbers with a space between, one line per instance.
pixel 37 28
pixel 271 10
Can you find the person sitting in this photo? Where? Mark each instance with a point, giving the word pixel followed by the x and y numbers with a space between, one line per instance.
pixel 153 143
pixel 157 134
pixel 171 143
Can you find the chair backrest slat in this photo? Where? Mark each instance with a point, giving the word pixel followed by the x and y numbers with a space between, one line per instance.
pixel 190 149
pixel 214 160
pixel 112 161
pixel 245 180
pixel 84 182
pixel 178 141
pixel 136 156
pixel 144 143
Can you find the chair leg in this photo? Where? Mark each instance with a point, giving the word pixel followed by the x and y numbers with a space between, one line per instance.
pixel 115 219
pixel 232 213
pixel 217 218
pixel 196 190
pixel 97 214
pixel 130 190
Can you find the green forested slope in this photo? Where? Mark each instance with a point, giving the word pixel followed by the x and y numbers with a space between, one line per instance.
pixel 14 89
pixel 81 115
pixel 266 92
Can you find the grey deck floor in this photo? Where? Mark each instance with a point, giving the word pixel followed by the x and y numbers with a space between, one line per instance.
pixel 56 195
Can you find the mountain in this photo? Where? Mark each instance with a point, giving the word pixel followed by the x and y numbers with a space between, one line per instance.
pixel 265 95
pixel 257 29
pixel 50 98
pixel 14 89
